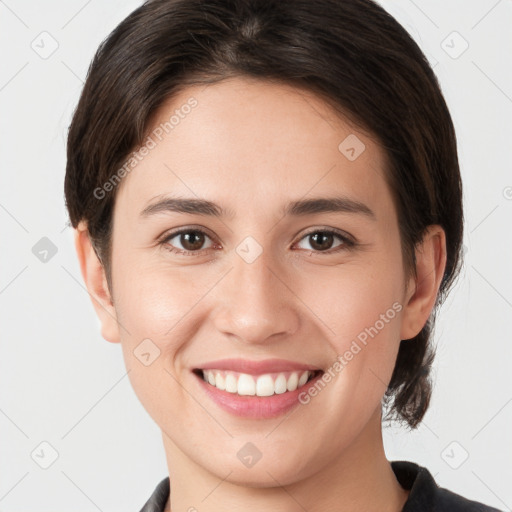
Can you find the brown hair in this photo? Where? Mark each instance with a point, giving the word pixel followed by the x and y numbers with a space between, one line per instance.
pixel 351 53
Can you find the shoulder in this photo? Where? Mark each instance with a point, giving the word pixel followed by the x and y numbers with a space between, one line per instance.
pixel 425 495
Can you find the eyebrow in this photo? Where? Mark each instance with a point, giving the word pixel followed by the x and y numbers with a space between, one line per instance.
pixel 295 208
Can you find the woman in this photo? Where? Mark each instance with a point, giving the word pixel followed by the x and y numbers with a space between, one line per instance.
pixel 267 208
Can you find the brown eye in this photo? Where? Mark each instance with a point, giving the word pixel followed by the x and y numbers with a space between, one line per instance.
pixel 324 240
pixel 321 241
pixel 186 241
pixel 192 240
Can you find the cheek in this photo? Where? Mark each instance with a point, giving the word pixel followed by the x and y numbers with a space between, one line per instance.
pixel 152 301
pixel 157 336
pixel 352 299
pixel 155 309
pixel 361 307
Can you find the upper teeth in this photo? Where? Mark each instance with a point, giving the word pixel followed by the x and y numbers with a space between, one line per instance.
pixel 262 385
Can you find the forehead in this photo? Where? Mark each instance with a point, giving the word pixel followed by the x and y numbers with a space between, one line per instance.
pixel 253 143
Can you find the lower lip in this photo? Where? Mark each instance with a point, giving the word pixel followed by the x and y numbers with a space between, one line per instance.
pixel 255 406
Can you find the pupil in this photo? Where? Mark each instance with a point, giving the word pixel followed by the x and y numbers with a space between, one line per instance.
pixel 192 245
pixel 323 237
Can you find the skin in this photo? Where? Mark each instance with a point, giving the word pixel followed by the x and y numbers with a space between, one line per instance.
pixel 252 147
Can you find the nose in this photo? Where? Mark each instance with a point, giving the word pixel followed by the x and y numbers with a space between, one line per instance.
pixel 256 303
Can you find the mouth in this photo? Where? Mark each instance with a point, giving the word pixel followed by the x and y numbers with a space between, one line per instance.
pixel 262 385
pixel 252 389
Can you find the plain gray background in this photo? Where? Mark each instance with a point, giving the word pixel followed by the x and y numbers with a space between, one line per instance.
pixel 62 385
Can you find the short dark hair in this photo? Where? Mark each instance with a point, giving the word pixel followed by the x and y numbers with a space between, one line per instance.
pixel 351 53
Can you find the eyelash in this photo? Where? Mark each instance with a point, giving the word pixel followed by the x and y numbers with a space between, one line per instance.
pixel 348 243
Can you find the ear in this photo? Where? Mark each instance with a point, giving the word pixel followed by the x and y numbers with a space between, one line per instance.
pixel 422 289
pixel 93 274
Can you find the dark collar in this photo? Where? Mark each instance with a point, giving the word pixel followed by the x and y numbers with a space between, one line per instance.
pixel 426 496
pixel 419 482
pixel 158 499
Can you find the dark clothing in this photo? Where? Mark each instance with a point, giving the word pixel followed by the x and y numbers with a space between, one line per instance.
pixel 424 496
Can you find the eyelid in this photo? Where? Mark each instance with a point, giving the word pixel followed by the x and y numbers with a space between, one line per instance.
pixel 186 229
pixel 349 239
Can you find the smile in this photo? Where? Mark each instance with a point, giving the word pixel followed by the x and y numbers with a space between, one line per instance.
pixel 267 384
pixel 255 389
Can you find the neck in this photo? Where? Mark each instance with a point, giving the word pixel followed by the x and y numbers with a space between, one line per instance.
pixel 361 478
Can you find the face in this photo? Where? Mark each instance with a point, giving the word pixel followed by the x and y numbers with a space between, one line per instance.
pixel 262 289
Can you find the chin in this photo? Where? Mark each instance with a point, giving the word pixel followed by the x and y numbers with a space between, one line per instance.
pixel 264 474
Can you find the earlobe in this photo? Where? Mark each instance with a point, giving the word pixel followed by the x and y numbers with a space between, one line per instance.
pixel 95 280
pixel 423 288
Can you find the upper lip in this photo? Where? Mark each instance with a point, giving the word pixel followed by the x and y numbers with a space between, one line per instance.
pixel 257 367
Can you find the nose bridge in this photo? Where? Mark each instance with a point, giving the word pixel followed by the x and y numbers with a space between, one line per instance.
pixel 256 303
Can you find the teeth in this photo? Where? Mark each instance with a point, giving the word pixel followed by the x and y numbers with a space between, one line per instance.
pixel 280 385
pixel 220 383
pixel 293 382
pixel 246 385
pixel 231 383
pixel 303 379
pixel 251 385
pixel 265 385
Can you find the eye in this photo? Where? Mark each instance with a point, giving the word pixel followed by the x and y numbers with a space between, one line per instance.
pixel 322 241
pixel 191 241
